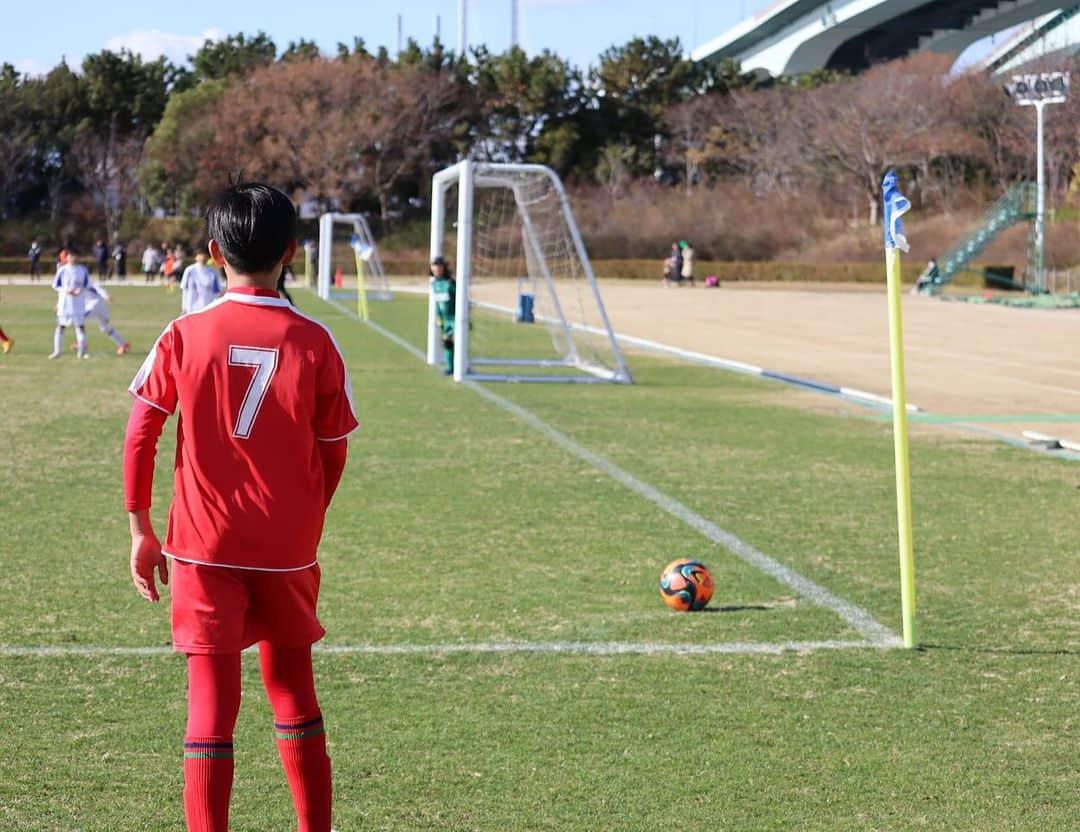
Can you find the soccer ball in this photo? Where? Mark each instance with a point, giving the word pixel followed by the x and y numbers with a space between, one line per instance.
pixel 686 585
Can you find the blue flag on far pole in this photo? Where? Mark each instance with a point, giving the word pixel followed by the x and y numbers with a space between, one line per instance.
pixel 896 205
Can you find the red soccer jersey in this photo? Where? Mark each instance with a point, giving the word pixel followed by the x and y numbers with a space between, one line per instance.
pixel 258 384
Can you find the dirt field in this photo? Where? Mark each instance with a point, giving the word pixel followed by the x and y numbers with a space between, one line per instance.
pixel 1003 370
pixel 1006 369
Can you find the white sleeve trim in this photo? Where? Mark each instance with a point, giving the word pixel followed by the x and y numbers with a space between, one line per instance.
pixel 152 404
pixel 339 438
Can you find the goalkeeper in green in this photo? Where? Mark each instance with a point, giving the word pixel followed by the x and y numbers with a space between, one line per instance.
pixel 444 290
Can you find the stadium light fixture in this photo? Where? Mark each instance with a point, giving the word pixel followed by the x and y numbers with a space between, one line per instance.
pixel 1037 90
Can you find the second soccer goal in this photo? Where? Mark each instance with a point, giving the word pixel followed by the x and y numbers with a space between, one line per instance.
pixel 525 304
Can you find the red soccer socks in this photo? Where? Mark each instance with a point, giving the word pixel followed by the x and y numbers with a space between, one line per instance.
pixel 213 703
pixel 208 777
pixel 302 745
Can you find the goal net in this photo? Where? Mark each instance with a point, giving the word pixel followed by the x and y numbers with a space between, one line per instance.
pixel 348 260
pixel 528 305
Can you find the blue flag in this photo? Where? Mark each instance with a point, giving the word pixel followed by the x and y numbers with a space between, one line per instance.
pixel 896 205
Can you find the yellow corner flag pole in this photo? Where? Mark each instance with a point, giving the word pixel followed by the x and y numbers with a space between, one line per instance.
pixel 895 205
pixel 361 290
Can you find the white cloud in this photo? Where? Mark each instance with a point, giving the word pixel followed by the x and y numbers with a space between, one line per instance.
pixel 152 43
pixel 31 66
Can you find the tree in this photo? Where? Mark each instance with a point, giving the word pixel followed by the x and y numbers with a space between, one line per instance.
pixel 890 116
pixel 235 56
pixel 634 85
pixel 17 141
pixel 520 96
pixel 183 161
pixel 301 50
pixel 108 167
pixel 124 94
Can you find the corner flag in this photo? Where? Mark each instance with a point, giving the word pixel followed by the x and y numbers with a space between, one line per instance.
pixel 896 205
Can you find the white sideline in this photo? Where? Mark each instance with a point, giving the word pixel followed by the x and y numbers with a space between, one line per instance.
pixel 600 648
pixel 856 617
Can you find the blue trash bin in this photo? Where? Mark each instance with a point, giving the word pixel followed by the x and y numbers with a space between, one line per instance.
pixel 525 313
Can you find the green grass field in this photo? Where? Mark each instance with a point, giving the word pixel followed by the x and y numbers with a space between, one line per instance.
pixel 458 523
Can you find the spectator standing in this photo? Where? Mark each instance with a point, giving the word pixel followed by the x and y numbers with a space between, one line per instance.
pixel 101 259
pixel 35 260
pixel 151 262
pixel 119 256
pixel 687 270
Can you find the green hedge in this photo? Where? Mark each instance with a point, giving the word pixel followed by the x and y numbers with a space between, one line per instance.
pixel 727 271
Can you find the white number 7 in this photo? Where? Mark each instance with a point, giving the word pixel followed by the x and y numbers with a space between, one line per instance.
pixel 264 361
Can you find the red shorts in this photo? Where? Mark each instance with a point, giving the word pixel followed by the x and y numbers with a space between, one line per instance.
pixel 217 609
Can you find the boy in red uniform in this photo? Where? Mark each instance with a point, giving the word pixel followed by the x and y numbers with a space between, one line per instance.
pixel 265 405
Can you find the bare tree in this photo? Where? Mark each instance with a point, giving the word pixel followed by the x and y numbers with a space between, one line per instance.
pixel 889 116
pixel 16 156
pixel 108 166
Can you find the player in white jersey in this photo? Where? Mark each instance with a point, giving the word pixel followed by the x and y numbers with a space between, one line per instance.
pixel 200 285
pixel 97 308
pixel 72 283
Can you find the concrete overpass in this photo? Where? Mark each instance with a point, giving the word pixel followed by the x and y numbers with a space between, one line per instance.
pixel 796 36
pixel 1051 37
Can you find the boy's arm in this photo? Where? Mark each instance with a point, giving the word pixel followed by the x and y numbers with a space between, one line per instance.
pixel 140 447
pixel 154 389
pixel 335 417
pixel 333 456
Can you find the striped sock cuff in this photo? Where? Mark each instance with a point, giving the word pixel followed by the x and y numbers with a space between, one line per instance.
pixel 208 749
pixel 299 730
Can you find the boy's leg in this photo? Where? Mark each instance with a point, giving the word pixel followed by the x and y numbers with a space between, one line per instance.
pixel 298 726
pixel 448 351
pixel 213 703
pixel 105 325
pixel 80 340
pixel 58 342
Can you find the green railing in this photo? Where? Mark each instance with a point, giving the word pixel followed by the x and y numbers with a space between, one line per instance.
pixel 1016 206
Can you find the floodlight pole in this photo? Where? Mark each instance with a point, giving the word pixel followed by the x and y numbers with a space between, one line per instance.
pixel 1040 199
pixel 1037 91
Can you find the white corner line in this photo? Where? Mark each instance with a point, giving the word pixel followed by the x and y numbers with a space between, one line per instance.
pixel 856 617
pixel 590 648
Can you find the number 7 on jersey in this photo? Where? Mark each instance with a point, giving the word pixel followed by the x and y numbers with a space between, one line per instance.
pixel 264 361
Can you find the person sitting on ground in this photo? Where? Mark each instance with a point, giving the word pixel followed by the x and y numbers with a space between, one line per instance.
pixel 669 271
pixel 929 277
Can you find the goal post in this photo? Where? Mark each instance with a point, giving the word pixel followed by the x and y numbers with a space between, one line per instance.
pixel 528 306
pixel 346 243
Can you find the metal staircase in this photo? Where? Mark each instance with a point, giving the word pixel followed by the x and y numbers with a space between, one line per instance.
pixel 1016 206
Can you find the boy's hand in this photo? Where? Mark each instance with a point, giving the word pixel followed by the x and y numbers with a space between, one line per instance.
pixel 146 557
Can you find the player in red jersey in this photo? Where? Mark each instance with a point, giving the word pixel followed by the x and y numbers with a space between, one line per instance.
pixel 265 405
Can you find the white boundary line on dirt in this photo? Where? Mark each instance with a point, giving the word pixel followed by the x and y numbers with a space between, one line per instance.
pixel 859 396
pixel 856 617
pixel 589 648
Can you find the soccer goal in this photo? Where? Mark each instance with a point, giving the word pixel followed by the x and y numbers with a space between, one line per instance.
pixel 528 305
pixel 348 256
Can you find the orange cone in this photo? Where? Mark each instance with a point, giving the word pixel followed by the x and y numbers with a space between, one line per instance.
pixel 338 278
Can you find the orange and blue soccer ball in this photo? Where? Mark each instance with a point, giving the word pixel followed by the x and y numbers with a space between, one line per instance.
pixel 686 585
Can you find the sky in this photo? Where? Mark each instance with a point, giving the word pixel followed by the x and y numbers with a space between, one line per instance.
pixel 35 40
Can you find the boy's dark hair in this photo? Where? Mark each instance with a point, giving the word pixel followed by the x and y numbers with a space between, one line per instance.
pixel 253 223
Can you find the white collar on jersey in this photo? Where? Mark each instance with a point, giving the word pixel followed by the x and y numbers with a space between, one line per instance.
pixel 256 300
